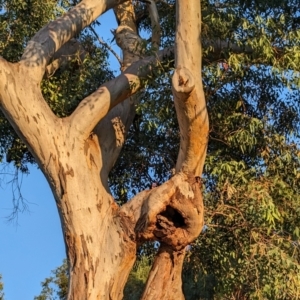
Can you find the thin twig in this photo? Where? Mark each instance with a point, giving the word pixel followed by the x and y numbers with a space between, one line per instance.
pixel 20 204
pixel 215 139
pixel 106 46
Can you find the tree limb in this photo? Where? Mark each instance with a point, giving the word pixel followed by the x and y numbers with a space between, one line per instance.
pixel 127 37
pixel 156 31
pixel 171 213
pixel 64 55
pixel 188 91
pixel 113 128
pixel 99 103
pixel 32 120
pixel 50 38
pixel 218 45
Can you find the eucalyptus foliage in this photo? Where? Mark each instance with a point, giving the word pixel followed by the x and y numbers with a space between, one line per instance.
pixel 55 286
pixel 1 289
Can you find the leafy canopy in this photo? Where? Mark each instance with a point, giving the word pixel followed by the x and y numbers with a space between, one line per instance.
pixel 1 289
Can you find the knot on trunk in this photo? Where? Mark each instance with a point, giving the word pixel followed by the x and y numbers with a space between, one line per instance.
pixel 183 80
pixel 172 213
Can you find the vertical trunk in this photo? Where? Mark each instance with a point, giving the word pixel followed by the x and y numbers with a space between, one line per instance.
pixel 168 267
pixel 100 237
pixel 100 254
pixel 100 241
pixel 100 246
pixel 164 281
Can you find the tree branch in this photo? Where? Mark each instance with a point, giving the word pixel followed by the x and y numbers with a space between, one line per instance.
pixel 25 108
pixel 64 55
pixel 113 128
pixel 127 37
pixel 68 51
pixel 188 90
pixel 99 103
pixel 50 38
pixel 156 31
pixel 171 213
pixel 218 46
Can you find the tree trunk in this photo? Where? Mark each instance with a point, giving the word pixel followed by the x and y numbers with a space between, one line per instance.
pixel 101 247
pixel 164 281
pixel 77 153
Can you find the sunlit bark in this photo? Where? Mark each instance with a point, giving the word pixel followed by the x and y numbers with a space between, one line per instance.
pixel 181 219
pixel 76 153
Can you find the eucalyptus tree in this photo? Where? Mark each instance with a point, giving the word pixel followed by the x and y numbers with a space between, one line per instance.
pixel 250 183
pixel 77 152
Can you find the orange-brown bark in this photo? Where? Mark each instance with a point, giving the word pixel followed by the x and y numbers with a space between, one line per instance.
pixel 76 157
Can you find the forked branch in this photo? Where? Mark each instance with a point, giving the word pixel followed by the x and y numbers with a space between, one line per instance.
pixel 99 103
pixel 185 209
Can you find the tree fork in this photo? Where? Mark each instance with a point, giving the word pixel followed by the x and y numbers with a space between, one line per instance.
pixel 193 122
pixel 100 238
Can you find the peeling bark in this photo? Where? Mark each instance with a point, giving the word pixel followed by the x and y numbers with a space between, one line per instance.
pixel 77 153
pixel 164 281
pixel 180 220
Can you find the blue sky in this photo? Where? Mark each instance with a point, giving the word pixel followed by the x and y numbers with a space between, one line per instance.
pixel 31 249
pixel 34 247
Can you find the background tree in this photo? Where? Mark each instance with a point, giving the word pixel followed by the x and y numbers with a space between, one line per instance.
pixel 1 289
pixel 251 180
pixel 56 286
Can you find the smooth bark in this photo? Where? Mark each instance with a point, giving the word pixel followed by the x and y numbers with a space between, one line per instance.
pixel 181 219
pixel 76 153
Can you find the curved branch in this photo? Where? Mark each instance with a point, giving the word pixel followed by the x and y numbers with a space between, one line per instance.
pixel 99 103
pixel 218 46
pixel 156 31
pixel 64 55
pixel 25 108
pixel 171 213
pixel 50 38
